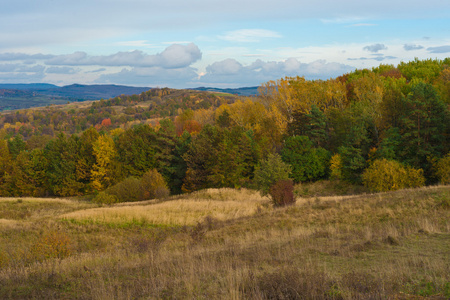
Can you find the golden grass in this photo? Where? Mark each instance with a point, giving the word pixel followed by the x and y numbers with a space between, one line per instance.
pixel 378 246
pixel 180 211
pixel 36 200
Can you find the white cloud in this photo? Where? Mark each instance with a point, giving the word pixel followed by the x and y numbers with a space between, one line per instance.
pixel 174 56
pixel 230 73
pixel 225 67
pixel 153 77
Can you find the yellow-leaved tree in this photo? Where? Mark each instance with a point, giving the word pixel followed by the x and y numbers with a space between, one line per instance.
pixel 102 171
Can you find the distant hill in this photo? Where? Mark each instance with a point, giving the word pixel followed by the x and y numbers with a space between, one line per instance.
pixel 244 91
pixel 27 86
pixel 21 96
pixel 93 92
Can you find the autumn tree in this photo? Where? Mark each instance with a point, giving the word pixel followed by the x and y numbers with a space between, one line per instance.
pixel 153 185
pixel 28 177
pixel 102 173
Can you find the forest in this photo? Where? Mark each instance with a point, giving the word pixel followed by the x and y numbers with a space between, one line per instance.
pixel 384 128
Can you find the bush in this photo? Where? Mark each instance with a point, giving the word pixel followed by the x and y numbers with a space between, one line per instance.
pixel 389 175
pixel 51 245
pixel 282 193
pixel 153 185
pixel 128 190
pixel 105 198
pixel 443 169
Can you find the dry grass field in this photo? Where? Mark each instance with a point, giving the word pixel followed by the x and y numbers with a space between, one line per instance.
pixel 229 244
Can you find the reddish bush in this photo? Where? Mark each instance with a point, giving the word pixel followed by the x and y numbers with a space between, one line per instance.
pixel 282 193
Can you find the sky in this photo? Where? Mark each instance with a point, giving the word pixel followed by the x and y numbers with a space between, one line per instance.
pixel 226 44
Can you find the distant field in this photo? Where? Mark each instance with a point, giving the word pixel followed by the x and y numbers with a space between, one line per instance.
pixel 228 244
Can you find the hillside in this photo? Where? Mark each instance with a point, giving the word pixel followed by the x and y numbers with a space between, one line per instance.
pixel 384 129
pixel 244 91
pixel 228 244
pixel 23 96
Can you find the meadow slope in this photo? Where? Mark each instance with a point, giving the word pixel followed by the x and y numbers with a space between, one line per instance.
pixel 228 244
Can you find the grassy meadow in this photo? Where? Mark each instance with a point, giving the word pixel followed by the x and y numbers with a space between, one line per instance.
pixel 229 244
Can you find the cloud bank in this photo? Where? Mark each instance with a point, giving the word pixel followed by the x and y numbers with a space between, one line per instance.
pixel 174 56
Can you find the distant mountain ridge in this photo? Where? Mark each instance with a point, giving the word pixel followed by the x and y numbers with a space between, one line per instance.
pixel 78 91
pixel 20 96
pixel 243 91
pixel 27 86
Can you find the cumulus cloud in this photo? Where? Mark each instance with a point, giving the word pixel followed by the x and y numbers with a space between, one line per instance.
pixel 249 35
pixel 440 49
pixel 375 48
pixel 411 47
pixel 225 67
pixel 231 73
pixel 154 76
pixel 174 56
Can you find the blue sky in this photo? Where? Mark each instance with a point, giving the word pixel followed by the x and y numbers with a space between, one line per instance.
pixel 192 43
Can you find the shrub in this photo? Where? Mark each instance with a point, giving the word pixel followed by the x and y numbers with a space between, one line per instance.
pixel 105 198
pixel 389 175
pixel 51 245
pixel 282 193
pixel 128 190
pixel 153 185
pixel 443 169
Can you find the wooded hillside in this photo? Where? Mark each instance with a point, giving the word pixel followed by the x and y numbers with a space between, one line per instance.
pixel 389 124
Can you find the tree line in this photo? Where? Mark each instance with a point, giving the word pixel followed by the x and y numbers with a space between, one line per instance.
pixel 390 123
